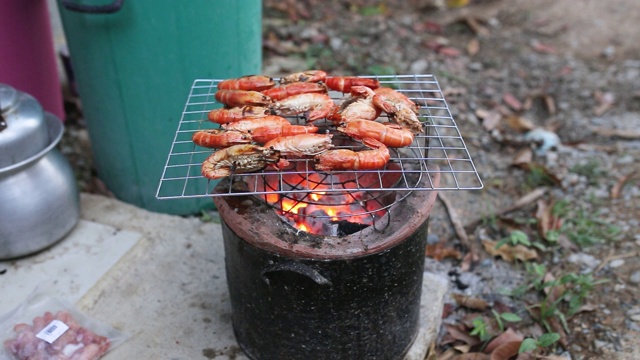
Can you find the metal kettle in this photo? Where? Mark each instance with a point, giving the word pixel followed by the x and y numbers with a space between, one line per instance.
pixel 39 199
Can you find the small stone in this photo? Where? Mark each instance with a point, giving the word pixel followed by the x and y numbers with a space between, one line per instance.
pixel 635 277
pixel 599 344
pixel 433 239
pixel 475 66
pixel 625 160
pixel 635 318
pixel 616 263
pixel 583 259
pixel 335 43
pixel 419 66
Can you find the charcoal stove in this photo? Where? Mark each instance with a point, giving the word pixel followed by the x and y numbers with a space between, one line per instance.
pixel 327 264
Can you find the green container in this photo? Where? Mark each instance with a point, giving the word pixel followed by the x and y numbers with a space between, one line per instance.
pixel 134 62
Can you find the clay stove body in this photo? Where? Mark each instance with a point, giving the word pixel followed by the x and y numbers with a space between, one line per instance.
pixel 296 295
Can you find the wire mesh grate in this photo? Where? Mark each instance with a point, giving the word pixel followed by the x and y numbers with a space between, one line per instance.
pixel 440 149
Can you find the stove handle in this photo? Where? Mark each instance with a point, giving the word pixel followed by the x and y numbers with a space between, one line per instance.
pixel 93 9
pixel 296 267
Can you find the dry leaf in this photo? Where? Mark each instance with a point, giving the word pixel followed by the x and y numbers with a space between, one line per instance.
pixel 449 51
pixel 542 48
pixel 447 355
pixel 457 3
pixel 524 156
pixel 556 326
pixel 506 337
pixel 617 188
pixel 546 220
pixel 463 348
pixel 550 104
pixel 473 47
pixel 432 354
pixel 472 356
pixel 508 252
pixel 459 334
pixel 512 101
pixel 470 302
pixel 439 251
pixel 506 350
pixel 605 102
pixel 519 123
pixel 553 293
pixel 490 118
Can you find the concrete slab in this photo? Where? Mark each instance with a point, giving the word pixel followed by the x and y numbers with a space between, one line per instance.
pixel 73 265
pixel 169 292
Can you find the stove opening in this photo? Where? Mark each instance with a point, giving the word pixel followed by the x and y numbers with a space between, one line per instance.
pixel 337 204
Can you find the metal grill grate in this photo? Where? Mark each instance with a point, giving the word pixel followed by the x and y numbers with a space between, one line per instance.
pixel 440 149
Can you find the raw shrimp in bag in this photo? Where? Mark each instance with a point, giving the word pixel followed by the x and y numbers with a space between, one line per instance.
pixel 47 328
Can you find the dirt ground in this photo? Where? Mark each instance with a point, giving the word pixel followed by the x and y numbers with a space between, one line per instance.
pixel 572 67
pixel 567 69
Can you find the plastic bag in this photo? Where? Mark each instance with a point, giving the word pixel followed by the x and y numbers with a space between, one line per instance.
pixel 45 327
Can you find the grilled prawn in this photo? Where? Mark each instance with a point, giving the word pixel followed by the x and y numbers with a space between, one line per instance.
pixel 399 112
pixel 233 98
pixel 314 106
pixel 217 138
pixel 391 135
pixel 345 159
pixel 238 159
pixel 358 106
pixel 227 115
pixel 284 91
pixel 249 82
pixel 345 83
pixel 266 133
pixel 304 76
pixel 248 125
pixel 396 96
pixel 300 145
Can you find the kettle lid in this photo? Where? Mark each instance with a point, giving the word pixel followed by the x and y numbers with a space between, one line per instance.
pixel 23 130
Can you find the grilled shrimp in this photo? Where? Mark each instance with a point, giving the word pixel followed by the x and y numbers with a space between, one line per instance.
pixel 251 124
pixel 249 82
pixel 396 96
pixel 344 83
pixel 284 91
pixel 358 106
pixel 314 106
pixel 223 116
pixel 238 159
pixel 263 134
pixel 217 138
pixel 233 98
pixel 304 76
pixel 391 135
pixel 399 112
pixel 345 159
pixel 300 145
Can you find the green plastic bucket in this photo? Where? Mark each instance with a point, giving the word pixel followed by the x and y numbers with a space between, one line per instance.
pixel 134 62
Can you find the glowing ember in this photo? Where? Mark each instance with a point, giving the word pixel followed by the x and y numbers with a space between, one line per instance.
pixel 312 213
pixel 308 200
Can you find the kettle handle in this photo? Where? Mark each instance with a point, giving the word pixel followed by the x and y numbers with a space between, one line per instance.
pixel 93 9
pixel 296 267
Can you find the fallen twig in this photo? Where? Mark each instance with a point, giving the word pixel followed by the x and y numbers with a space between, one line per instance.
pixel 612 257
pixel 617 188
pixel 458 226
pixel 521 202
pixel 623 134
